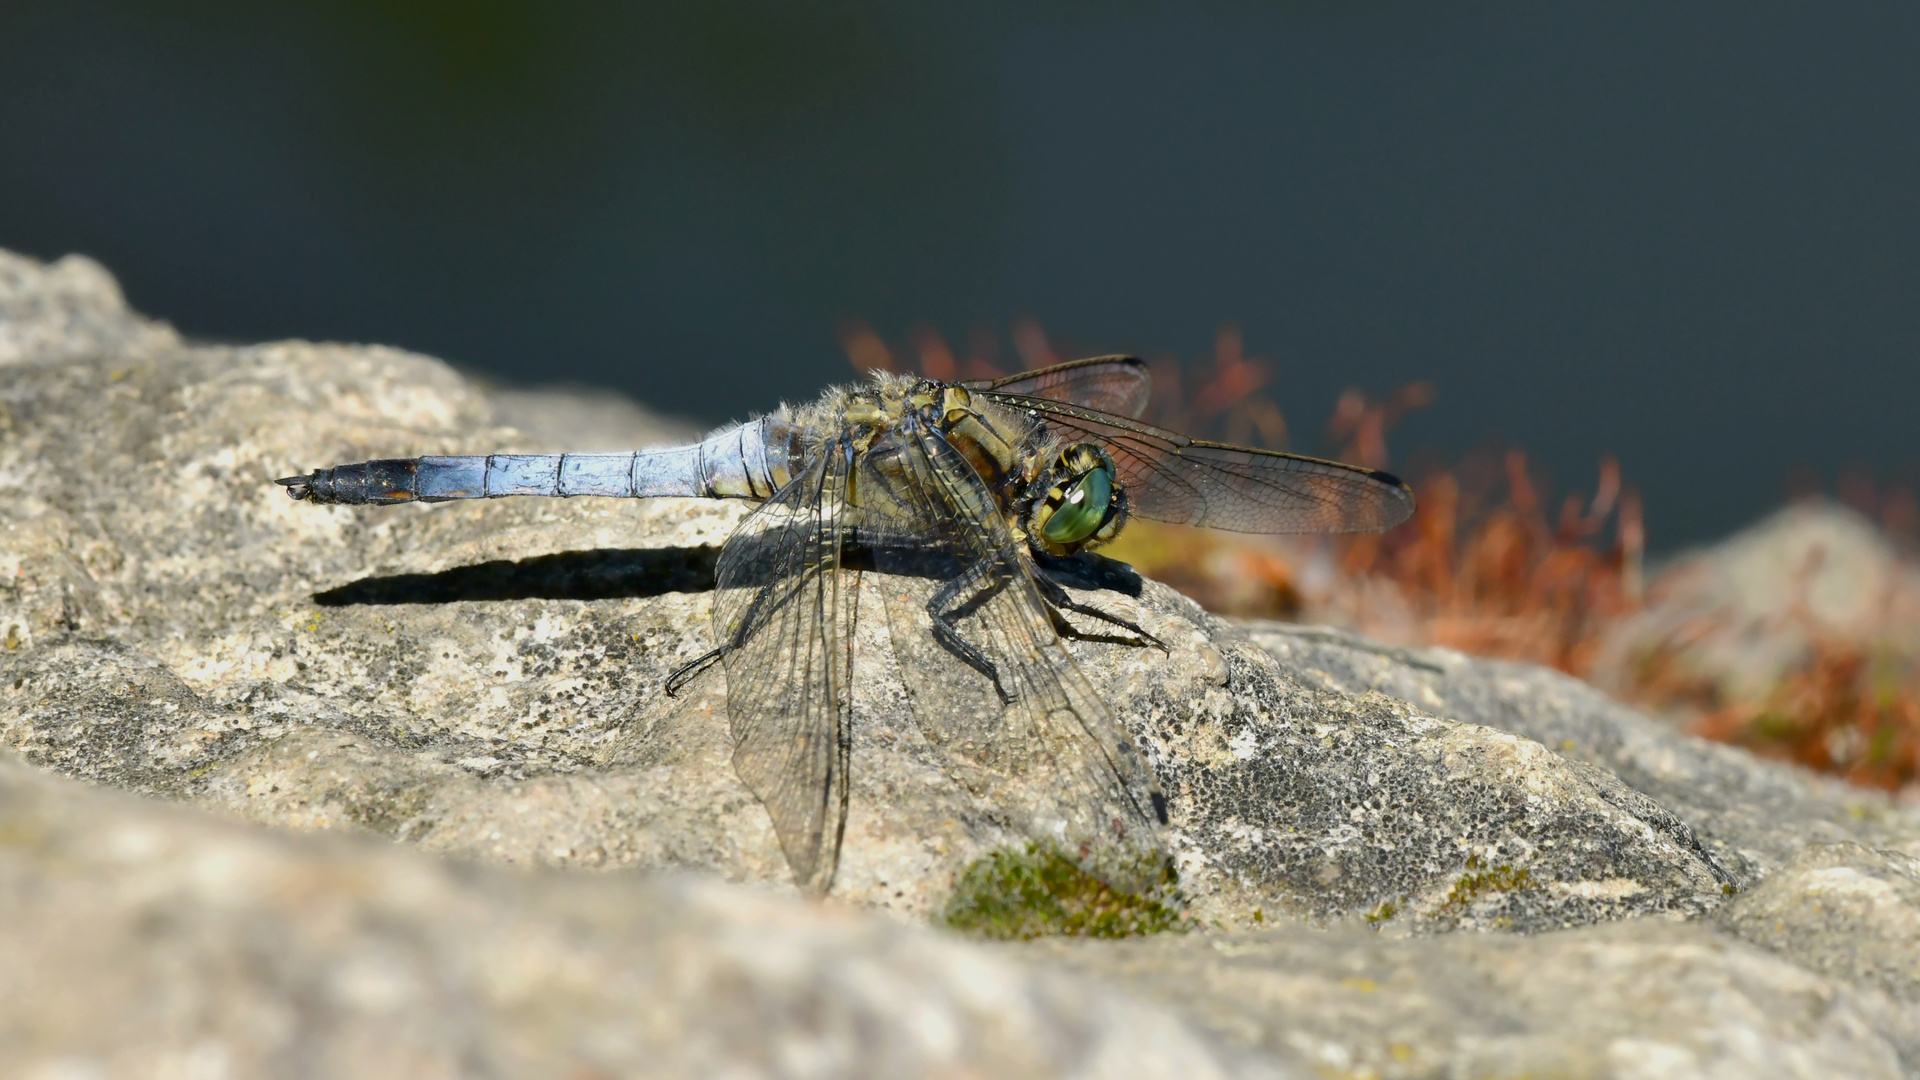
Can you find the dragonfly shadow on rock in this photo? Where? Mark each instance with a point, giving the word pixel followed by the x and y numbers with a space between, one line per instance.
pixel 637 573
pixel 600 574
pixel 1091 571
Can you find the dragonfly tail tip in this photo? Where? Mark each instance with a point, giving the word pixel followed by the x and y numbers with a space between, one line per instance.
pixel 298 487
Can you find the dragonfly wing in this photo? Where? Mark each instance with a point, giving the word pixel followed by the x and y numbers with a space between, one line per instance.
pixel 1042 747
pixel 1111 384
pixel 783 616
pixel 1170 477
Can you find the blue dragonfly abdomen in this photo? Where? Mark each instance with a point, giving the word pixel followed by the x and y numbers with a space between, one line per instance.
pixel 751 461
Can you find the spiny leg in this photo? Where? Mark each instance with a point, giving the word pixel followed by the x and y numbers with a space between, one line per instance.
pixel 1058 598
pixel 948 634
pixel 684 674
pixel 758 611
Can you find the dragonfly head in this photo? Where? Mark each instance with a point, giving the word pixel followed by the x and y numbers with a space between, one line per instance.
pixel 1078 503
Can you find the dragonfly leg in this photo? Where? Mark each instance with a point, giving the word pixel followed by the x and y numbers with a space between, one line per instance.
pixel 1059 599
pixel 946 613
pixel 764 602
pixel 685 672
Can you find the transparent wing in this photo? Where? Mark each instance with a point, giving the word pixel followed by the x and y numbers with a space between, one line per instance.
pixel 1111 384
pixel 784 623
pixel 1170 477
pixel 1048 753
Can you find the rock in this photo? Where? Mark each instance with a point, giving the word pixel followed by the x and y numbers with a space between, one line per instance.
pixel 1754 815
pixel 483 680
pixel 142 940
pixel 1819 557
pixel 1844 909
pixel 1643 998
pixel 68 309
pixel 1731 620
pixel 565 418
pixel 1302 801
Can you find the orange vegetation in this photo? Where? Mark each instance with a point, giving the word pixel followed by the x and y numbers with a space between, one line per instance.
pixel 1843 710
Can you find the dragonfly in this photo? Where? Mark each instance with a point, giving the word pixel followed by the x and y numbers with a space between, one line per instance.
pixel 960 504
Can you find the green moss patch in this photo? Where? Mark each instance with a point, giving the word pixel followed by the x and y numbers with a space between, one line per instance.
pixel 1021 894
pixel 1481 880
pixel 1384 913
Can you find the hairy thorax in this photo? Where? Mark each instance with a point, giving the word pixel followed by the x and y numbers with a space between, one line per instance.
pixel 1006 448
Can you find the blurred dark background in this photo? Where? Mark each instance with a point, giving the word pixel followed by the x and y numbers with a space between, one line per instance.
pixel 1685 234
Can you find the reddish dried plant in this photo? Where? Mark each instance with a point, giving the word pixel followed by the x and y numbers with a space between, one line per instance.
pixel 1843 710
pixel 1483 570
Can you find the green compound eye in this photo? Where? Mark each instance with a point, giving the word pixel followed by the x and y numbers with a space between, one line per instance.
pixel 1083 509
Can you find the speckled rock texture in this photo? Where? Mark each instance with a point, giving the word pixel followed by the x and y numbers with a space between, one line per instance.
pixel 483 680
pixel 1753 814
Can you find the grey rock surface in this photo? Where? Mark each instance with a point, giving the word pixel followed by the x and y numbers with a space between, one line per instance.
pixel 138 940
pixel 1844 909
pixel 1755 815
pixel 570 418
pixel 1305 802
pixel 72 307
pixel 1640 999
pixel 482 680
